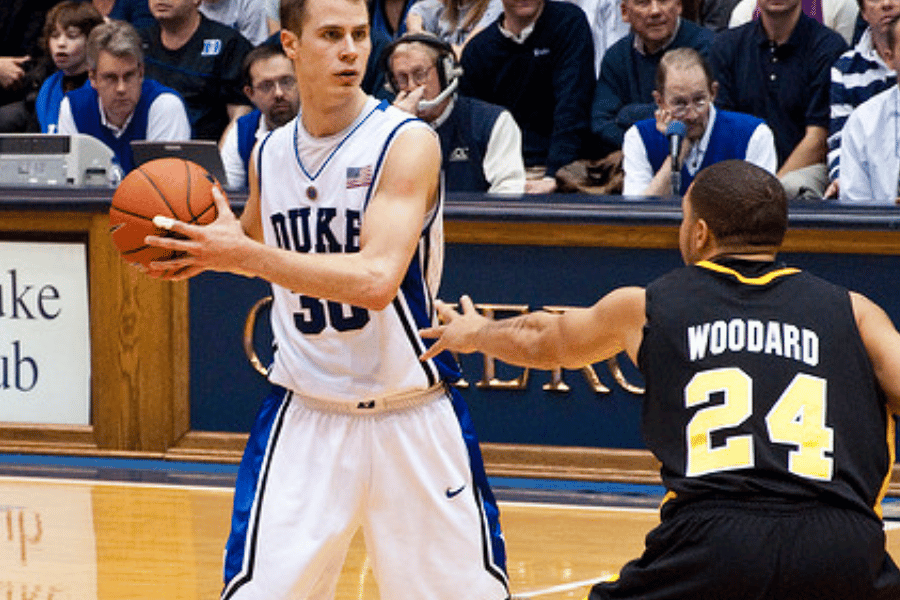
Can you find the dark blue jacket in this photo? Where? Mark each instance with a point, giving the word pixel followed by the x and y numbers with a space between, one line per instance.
pixel 545 82
pixel 464 138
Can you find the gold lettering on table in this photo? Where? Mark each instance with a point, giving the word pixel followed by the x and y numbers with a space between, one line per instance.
pixel 489 379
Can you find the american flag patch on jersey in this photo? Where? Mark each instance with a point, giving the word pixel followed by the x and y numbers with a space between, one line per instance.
pixel 359 176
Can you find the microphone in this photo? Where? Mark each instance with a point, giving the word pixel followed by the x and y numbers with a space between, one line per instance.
pixel 429 104
pixel 675 132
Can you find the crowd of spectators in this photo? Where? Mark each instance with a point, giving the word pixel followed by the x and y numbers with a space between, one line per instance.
pixel 804 88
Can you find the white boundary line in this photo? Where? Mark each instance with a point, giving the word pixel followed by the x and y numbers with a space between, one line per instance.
pixel 106 483
pixel 555 506
pixel 565 587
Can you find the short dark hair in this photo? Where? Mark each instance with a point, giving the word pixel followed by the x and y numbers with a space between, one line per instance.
pixel 262 52
pixel 293 13
pixel 741 203
pixel 682 58
pixel 70 13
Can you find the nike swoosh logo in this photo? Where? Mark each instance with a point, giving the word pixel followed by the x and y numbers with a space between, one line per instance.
pixel 456 492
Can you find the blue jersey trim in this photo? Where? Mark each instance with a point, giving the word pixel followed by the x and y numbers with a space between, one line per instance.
pixel 259 166
pixel 297 126
pixel 378 163
pixel 493 545
pixel 250 488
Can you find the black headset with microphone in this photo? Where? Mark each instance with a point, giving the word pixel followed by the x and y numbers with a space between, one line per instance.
pixel 448 68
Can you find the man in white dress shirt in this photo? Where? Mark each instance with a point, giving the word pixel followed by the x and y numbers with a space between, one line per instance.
pixel 870 141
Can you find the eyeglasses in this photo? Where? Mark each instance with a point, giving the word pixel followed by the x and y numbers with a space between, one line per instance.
pixel 112 79
pixel 679 107
pixel 267 86
pixel 417 77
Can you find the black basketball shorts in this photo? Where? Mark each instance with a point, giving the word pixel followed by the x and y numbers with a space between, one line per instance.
pixel 759 550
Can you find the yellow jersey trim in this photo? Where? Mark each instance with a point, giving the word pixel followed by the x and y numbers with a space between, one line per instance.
pixel 763 280
pixel 892 456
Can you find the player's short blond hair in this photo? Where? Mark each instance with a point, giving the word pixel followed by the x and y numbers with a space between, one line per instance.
pixel 293 14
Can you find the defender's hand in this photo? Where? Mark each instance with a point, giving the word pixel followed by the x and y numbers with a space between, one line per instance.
pixel 459 330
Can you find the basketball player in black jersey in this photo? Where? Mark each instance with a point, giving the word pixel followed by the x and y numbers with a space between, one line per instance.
pixel 769 401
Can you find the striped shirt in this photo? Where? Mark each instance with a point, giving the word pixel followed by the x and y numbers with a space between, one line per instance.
pixel 856 76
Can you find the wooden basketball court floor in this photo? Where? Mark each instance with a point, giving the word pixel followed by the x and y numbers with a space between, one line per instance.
pixel 140 530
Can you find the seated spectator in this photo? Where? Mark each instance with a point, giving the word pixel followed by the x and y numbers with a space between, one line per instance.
pixel 606 23
pixel 387 21
pixel 452 21
pixel 246 16
pixel 778 69
pixel 201 60
pixel 685 91
pixel 480 142
pixel 838 15
pixel 537 61
pixel 624 93
pixel 121 105
pixel 859 74
pixel 23 63
pixel 136 12
pixel 271 85
pixel 273 16
pixel 66 31
pixel 870 161
pixel 715 14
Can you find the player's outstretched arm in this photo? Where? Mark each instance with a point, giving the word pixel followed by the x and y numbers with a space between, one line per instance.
pixel 882 342
pixel 577 337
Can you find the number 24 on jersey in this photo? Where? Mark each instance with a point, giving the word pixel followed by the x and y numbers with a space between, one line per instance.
pixel 797 419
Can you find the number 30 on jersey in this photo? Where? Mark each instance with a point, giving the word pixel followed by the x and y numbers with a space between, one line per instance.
pixel 797 419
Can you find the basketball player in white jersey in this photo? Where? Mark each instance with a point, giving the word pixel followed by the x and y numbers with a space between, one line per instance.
pixel 344 219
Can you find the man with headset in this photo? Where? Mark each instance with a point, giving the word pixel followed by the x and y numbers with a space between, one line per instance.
pixel 480 142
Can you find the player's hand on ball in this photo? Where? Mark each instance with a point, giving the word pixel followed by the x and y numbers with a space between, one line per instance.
pixel 459 330
pixel 213 247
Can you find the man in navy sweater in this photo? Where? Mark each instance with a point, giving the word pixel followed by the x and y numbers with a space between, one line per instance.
pixel 121 105
pixel 537 61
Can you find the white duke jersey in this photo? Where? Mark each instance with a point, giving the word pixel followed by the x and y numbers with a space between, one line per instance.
pixel 313 198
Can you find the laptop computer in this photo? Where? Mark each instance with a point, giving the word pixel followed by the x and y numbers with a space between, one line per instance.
pixel 203 152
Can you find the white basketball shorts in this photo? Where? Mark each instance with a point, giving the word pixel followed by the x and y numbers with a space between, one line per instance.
pixel 412 478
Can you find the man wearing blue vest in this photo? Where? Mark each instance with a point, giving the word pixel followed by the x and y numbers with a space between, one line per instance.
pixel 271 86
pixel 120 105
pixel 685 91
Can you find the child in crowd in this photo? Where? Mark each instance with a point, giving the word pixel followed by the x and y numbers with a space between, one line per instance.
pixel 65 34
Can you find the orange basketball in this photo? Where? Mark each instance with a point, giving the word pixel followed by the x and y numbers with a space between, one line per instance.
pixel 171 187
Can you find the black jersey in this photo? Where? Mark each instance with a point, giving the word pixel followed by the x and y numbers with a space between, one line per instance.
pixel 206 71
pixel 758 385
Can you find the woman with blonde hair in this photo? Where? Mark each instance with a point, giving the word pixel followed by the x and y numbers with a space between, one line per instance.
pixel 453 21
